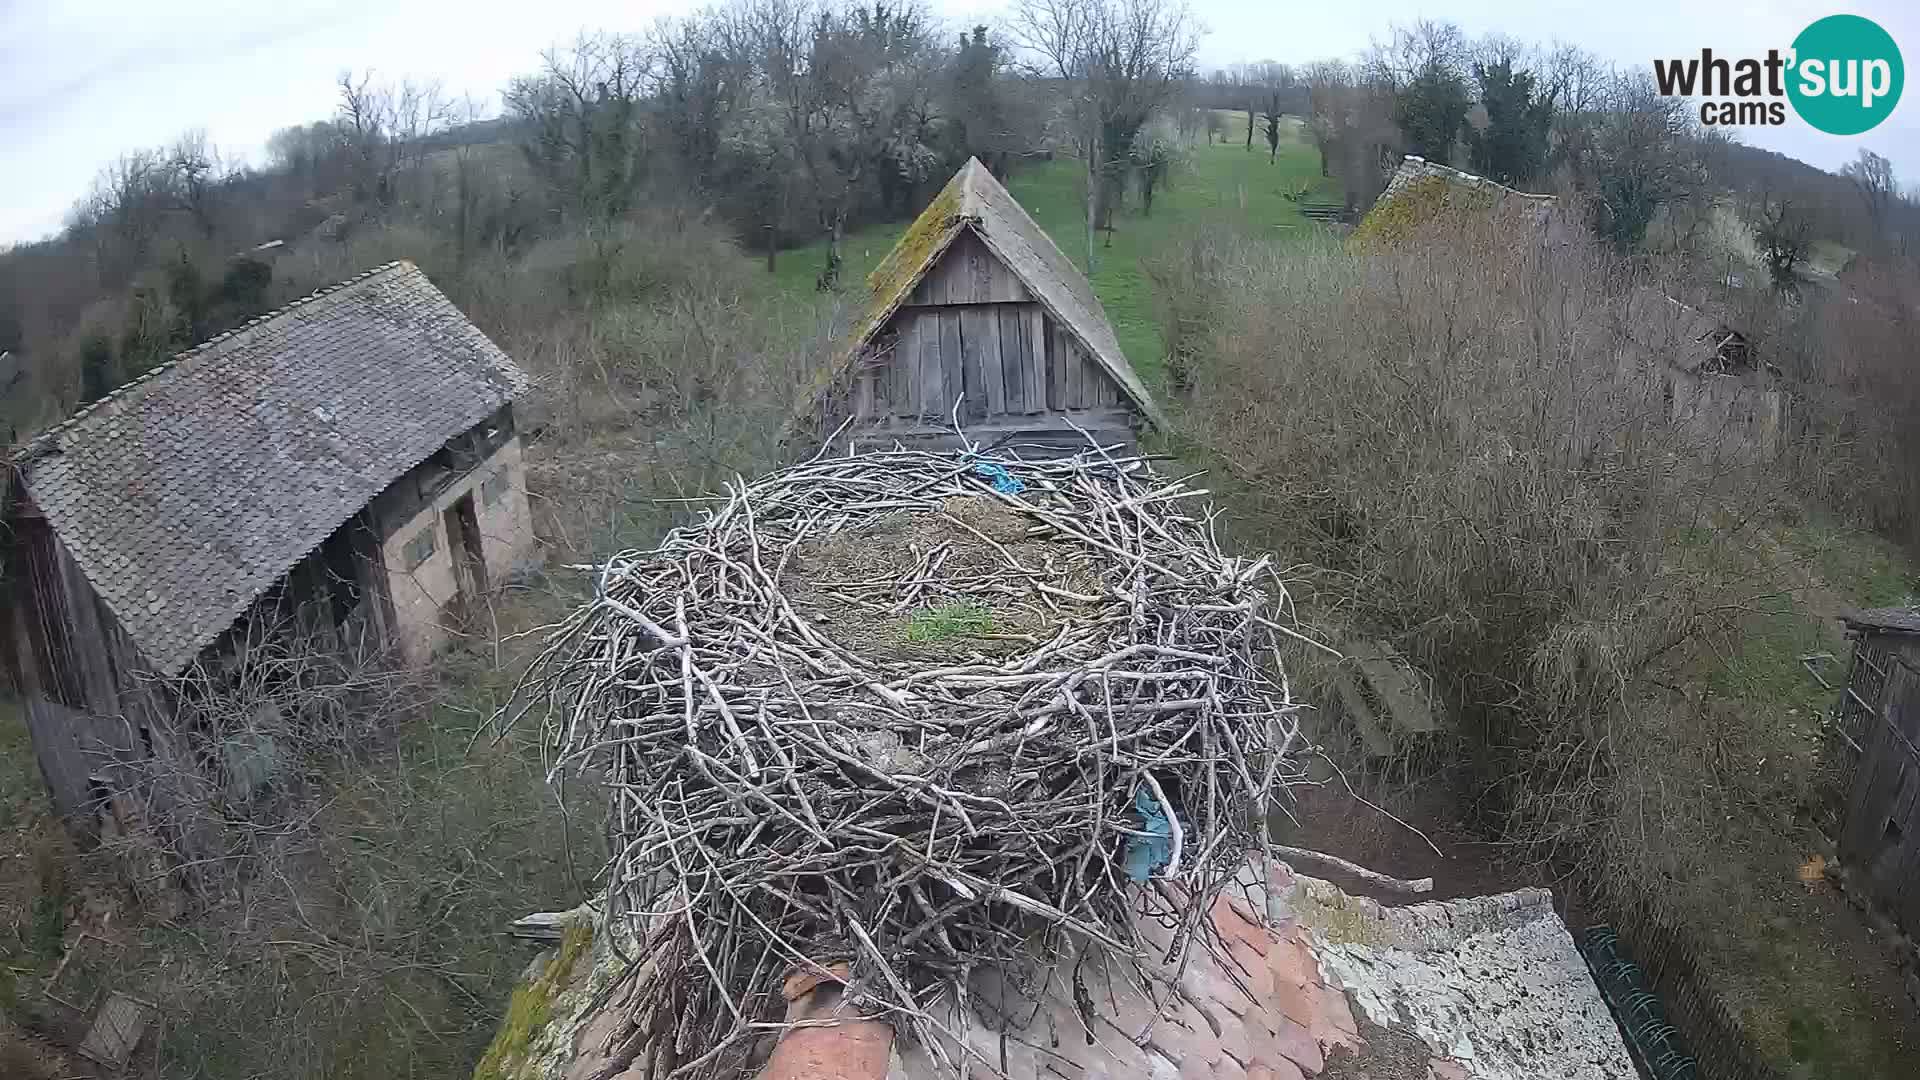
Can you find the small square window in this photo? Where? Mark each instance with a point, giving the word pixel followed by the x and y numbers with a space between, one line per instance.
pixel 420 548
pixel 495 487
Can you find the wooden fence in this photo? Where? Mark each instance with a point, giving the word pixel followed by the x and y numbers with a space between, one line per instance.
pixel 1877 772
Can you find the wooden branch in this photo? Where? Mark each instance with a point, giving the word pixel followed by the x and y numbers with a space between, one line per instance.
pixel 1374 877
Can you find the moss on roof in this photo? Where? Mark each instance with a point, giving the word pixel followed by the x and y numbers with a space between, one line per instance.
pixel 910 258
pixel 890 282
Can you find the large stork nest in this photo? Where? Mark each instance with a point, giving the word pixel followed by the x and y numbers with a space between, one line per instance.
pixel 896 717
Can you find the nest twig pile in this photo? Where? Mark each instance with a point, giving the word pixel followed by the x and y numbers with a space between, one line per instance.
pixel 815 761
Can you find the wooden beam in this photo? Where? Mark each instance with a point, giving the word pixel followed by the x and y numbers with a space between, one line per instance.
pixel 1036 329
pixel 1013 357
pixel 981 331
pixel 953 378
pixel 903 364
pixel 932 373
pixel 1057 359
pixel 972 380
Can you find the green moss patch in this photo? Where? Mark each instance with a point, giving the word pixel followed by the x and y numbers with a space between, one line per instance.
pixel 531 1010
pixel 962 618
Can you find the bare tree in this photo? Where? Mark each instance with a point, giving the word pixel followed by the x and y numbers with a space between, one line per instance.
pixel 385 127
pixel 198 172
pixel 1640 154
pixel 582 115
pixel 1785 237
pixel 851 93
pixel 1425 65
pixel 1352 125
pixel 1872 177
pixel 1270 126
pixel 1120 60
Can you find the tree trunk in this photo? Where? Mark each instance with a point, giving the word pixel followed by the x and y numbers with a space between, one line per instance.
pixel 830 275
pixel 1249 128
pixel 1093 192
pixel 772 245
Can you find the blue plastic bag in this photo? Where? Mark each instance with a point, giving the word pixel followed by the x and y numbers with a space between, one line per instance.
pixel 1148 853
pixel 1003 481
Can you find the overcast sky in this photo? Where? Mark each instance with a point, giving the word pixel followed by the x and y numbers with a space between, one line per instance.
pixel 83 80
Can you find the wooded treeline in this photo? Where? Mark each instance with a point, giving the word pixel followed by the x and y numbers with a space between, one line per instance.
pixel 788 120
pixel 1559 119
pixel 791 121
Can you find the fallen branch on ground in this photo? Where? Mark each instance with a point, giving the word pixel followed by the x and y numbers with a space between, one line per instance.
pixel 1375 877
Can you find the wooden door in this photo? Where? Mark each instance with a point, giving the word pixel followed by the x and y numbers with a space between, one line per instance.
pixel 469 565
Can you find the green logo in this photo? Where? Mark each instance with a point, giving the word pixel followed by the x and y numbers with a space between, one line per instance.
pixel 1846 75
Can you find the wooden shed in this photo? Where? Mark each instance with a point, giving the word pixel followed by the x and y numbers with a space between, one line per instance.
pixel 977 318
pixel 341 472
pixel 1878 733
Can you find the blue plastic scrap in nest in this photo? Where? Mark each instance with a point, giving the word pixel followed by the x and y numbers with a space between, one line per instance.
pixel 1148 853
pixel 1003 481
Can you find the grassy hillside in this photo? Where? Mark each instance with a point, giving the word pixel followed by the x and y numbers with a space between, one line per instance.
pixel 1222 184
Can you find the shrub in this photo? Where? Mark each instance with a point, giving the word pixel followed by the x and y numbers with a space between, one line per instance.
pixel 1848 360
pixel 1454 435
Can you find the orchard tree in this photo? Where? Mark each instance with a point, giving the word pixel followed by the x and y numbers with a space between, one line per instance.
pixel 1270 124
pixel 1121 61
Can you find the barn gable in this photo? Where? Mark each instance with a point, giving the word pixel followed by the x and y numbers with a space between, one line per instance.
pixel 975 314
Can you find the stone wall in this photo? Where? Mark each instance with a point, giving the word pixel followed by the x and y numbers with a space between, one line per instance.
pixel 423 590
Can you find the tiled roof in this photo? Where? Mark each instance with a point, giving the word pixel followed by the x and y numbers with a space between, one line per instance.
pixel 974 200
pixel 1414 168
pixel 188 492
pixel 1660 322
pixel 1297 979
pixel 1903 620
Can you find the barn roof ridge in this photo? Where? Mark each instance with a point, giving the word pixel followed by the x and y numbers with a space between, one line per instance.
pixel 187 493
pixel 1413 168
pixel 973 200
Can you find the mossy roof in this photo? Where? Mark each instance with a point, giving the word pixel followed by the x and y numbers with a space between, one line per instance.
pixel 974 200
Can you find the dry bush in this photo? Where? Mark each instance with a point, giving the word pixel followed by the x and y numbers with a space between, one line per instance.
pixel 1456 436
pixel 1849 358
pixel 663 366
pixel 222 790
pixel 363 842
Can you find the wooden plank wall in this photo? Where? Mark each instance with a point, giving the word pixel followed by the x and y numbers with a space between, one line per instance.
pixel 969 274
pixel 74 667
pixel 999 359
pixel 1880 831
pixel 972 333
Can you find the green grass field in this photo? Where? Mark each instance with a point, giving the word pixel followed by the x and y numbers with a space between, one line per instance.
pixel 1220 184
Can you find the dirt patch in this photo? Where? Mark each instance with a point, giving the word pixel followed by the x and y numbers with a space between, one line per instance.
pixel 917 588
pixel 24 1057
pixel 1330 818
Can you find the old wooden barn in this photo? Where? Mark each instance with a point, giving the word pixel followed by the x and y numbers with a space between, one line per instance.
pixel 1878 732
pixel 344 470
pixel 976 317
